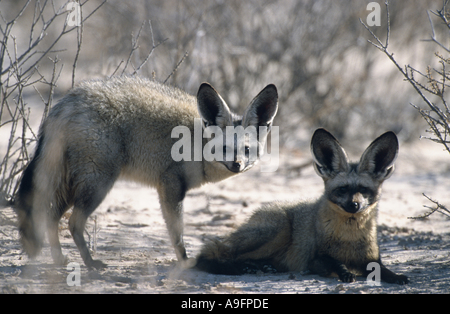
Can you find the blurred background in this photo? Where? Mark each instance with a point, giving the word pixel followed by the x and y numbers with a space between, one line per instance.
pixel 327 74
pixel 316 52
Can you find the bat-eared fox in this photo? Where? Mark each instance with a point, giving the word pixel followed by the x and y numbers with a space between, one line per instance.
pixel 337 234
pixel 121 127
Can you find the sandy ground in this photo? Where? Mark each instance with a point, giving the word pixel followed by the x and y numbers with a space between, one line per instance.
pixel 132 238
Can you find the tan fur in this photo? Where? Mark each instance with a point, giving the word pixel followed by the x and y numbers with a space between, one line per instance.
pixel 103 130
pixel 337 234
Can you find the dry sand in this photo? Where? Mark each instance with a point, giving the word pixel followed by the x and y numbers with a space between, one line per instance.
pixel 133 241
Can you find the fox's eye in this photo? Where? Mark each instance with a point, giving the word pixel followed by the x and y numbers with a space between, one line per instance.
pixel 363 190
pixel 341 191
pixel 247 150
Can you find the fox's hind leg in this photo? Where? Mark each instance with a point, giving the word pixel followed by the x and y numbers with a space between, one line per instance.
pixel 77 222
pixel 86 200
pixel 53 234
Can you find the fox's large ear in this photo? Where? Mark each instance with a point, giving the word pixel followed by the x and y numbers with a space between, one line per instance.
pixel 329 156
pixel 212 107
pixel 378 159
pixel 262 109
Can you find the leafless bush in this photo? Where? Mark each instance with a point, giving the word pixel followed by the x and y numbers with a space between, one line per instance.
pixel 23 63
pixel 431 85
pixel 312 50
pixel 33 62
pixel 437 208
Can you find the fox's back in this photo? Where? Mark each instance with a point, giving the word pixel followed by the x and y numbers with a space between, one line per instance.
pixel 127 102
pixel 128 119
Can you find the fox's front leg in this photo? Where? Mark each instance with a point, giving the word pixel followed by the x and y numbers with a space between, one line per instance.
pixel 385 274
pixel 172 191
pixel 391 277
pixel 325 265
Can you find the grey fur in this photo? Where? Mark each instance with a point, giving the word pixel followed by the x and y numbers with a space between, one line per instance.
pixel 336 234
pixel 104 130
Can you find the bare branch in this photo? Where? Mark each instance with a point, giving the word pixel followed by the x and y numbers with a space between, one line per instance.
pixel 134 47
pixel 79 42
pixel 433 34
pixel 438 208
pixel 438 119
pixel 176 68
pixel 151 51
pixel 19 71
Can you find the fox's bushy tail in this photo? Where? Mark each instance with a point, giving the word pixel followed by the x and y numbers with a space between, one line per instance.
pixel 216 257
pixel 30 238
pixel 36 194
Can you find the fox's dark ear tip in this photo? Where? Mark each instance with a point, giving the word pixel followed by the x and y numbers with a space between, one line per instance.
pixel 390 135
pixel 205 85
pixel 272 88
pixel 321 132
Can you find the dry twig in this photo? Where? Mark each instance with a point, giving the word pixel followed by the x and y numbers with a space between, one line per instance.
pixel 19 72
pixel 438 208
pixel 437 115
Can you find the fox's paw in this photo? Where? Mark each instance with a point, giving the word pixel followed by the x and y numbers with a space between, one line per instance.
pixel 347 277
pixel 96 264
pixel 60 260
pixel 390 277
pixel 400 279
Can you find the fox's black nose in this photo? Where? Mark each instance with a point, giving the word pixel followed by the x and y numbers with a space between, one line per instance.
pixel 237 165
pixel 352 207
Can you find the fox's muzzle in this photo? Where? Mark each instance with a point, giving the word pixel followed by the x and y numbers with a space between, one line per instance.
pixel 356 204
pixel 236 166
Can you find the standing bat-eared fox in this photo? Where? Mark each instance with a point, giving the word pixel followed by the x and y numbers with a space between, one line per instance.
pixel 121 127
pixel 337 234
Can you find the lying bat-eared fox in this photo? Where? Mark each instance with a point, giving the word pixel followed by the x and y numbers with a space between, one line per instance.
pixel 122 127
pixel 337 234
